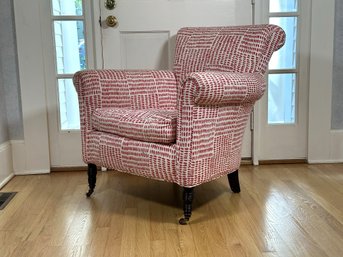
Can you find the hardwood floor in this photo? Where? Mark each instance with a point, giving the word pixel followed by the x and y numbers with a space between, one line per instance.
pixel 282 210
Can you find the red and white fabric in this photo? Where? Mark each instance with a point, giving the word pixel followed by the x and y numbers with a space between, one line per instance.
pixel 218 75
pixel 150 125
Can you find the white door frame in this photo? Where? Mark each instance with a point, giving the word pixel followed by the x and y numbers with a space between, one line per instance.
pixel 63 143
pixel 292 143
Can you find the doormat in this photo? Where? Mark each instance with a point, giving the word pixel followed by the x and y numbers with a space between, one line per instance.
pixel 5 198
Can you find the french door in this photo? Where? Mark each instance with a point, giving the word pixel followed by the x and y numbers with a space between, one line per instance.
pixel 69 48
pixel 283 111
pixel 143 37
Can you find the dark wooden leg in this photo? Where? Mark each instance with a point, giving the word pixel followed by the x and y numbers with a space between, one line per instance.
pixel 92 170
pixel 187 205
pixel 234 181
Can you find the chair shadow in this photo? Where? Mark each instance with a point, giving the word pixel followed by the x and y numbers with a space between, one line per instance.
pixel 120 191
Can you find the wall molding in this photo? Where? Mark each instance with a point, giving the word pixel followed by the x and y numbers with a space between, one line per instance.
pixel 20 164
pixel 18 155
pixel 6 171
pixel 35 151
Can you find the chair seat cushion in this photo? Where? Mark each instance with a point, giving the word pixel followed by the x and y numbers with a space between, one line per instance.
pixel 150 125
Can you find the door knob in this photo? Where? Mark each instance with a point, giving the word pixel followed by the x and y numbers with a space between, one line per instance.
pixel 111 21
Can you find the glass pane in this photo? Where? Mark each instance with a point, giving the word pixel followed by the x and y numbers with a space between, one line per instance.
pixel 68 105
pixel 70 46
pixel 283 5
pixel 66 7
pixel 286 57
pixel 281 98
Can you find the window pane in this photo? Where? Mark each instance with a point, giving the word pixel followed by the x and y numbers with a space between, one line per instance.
pixel 69 105
pixel 286 57
pixel 70 46
pixel 283 5
pixel 66 7
pixel 281 98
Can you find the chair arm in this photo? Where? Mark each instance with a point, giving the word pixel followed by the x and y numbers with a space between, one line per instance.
pixel 126 89
pixel 223 88
pixel 124 84
pixel 213 110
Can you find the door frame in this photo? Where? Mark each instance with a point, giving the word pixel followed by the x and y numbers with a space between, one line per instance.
pixel 63 143
pixel 299 129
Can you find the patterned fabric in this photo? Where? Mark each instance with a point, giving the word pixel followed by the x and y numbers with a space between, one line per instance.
pixel 119 89
pixel 227 49
pixel 150 125
pixel 217 77
pixel 219 88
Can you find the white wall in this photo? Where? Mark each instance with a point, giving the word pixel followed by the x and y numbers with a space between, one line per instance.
pixel 324 145
pixel 337 83
pixel 35 148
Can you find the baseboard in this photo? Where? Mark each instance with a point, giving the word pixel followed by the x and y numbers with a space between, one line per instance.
pixel 32 172
pixel 4 181
pixel 67 169
pixel 285 161
pixel 18 153
pixel 20 165
pixel 325 161
pixel 6 163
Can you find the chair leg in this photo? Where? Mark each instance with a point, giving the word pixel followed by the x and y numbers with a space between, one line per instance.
pixel 234 182
pixel 92 171
pixel 187 205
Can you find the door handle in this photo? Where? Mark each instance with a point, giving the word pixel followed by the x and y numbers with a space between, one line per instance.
pixel 111 21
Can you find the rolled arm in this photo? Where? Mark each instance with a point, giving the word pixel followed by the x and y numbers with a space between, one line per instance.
pixel 124 89
pixel 213 110
pixel 120 85
pixel 223 88
pixel 119 89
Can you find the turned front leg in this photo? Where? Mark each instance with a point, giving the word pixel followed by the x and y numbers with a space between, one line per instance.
pixel 188 194
pixel 92 171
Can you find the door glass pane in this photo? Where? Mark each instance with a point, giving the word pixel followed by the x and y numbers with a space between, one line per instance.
pixel 285 58
pixel 68 105
pixel 66 7
pixel 283 5
pixel 281 98
pixel 70 46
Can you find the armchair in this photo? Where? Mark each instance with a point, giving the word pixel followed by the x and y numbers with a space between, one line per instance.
pixel 183 126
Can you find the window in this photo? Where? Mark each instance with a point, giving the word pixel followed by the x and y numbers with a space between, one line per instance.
pixel 283 67
pixel 70 52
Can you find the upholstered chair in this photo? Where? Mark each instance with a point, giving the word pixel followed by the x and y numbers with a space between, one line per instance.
pixel 183 126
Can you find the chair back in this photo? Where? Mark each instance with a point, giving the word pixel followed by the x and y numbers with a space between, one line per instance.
pixel 227 49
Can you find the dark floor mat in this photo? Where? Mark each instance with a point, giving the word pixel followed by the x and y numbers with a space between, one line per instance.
pixel 5 198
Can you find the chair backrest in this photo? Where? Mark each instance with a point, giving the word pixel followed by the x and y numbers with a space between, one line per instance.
pixel 228 49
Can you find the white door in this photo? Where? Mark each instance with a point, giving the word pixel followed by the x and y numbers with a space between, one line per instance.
pixel 144 38
pixel 283 111
pixel 68 40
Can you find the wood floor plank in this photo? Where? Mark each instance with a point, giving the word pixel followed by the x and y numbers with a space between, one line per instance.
pixel 282 210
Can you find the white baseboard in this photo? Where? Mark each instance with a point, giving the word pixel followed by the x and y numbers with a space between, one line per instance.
pixel 325 161
pixel 4 181
pixel 6 163
pixel 332 152
pixel 18 153
pixel 20 164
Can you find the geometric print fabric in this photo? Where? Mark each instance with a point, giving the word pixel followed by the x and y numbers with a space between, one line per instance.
pixel 217 77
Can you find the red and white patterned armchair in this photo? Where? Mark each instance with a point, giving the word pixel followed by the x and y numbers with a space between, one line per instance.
pixel 183 126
